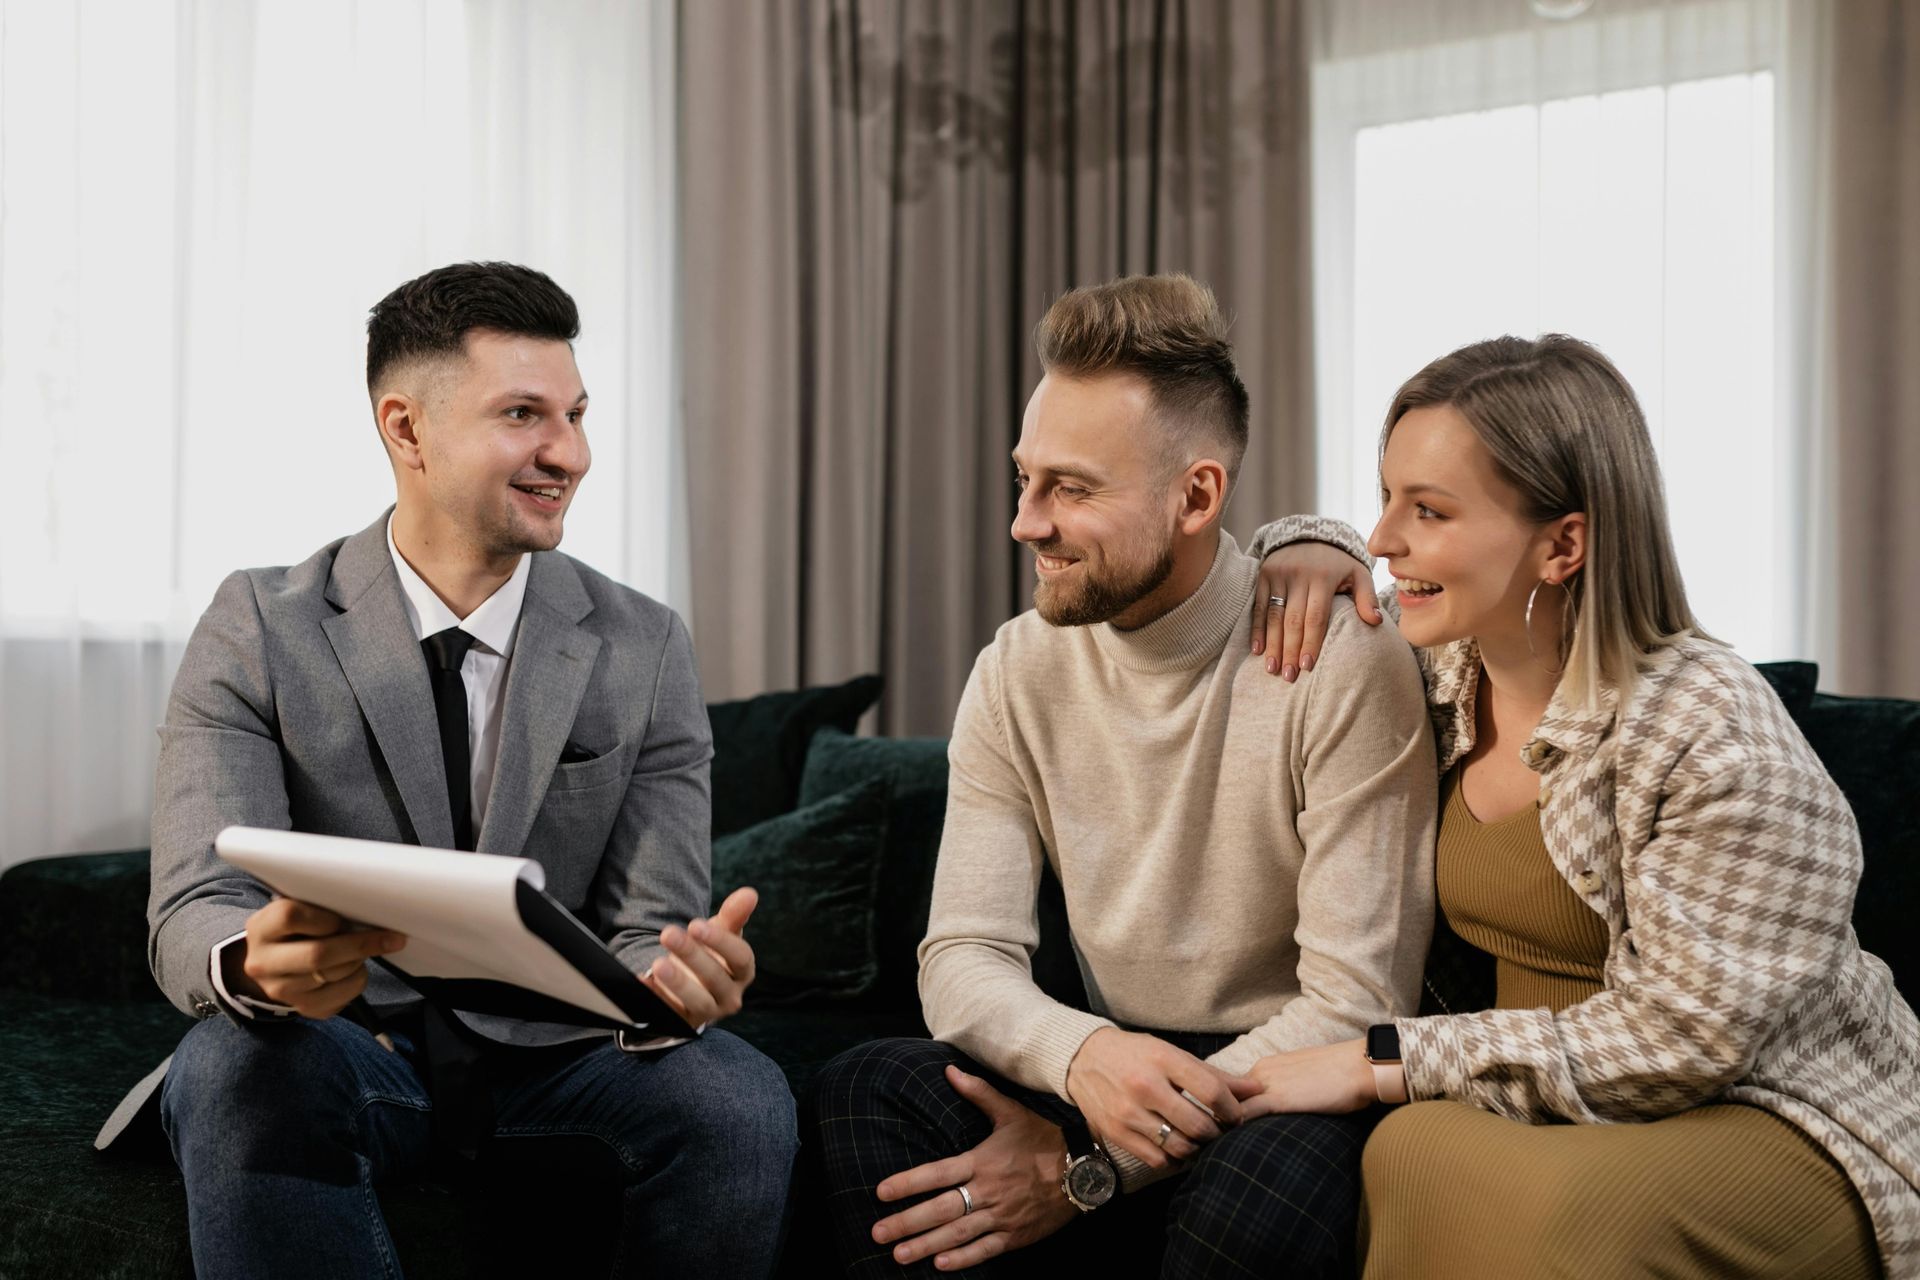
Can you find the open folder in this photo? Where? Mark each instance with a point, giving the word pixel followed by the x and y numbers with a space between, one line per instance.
pixel 482 933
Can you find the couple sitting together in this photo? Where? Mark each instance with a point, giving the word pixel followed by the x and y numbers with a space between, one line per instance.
pixel 1653 1043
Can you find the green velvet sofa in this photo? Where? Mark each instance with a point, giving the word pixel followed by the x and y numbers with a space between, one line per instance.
pixel 839 832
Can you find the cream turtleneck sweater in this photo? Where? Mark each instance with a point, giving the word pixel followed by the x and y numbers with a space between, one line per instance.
pixel 1239 854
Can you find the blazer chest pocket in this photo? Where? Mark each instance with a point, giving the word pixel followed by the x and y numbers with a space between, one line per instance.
pixel 585 775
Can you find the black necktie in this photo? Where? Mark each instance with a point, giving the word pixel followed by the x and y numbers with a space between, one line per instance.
pixel 446 650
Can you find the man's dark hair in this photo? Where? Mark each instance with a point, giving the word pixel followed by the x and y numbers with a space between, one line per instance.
pixel 1168 331
pixel 430 315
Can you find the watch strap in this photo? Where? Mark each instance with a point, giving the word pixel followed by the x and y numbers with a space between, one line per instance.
pixel 1079 1139
pixel 1389 1081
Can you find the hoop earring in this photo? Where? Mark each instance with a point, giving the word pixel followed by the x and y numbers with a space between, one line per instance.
pixel 1566 630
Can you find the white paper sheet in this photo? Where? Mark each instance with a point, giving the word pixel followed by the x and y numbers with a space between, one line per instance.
pixel 456 909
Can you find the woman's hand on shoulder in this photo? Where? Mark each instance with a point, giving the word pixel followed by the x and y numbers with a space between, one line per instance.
pixel 1293 603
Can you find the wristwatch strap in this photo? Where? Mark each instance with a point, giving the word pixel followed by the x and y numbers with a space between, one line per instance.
pixel 1390 1081
pixel 1079 1139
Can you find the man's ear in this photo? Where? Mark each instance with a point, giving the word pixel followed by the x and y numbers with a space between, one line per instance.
pixel 399 416
pixel 1203 496
pixel 1566 548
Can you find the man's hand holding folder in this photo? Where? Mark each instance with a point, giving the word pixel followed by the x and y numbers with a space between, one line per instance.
pixel 304 957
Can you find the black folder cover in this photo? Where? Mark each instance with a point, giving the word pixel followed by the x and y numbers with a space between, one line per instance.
pixel 554 925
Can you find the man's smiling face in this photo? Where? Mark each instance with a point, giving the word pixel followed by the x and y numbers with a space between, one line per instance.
pixel 504 446
pixel 1095 504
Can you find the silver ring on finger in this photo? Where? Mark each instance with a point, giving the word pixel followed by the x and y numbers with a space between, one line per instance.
pixel 966 1201
pixel 1161 1134
pixel 1278 602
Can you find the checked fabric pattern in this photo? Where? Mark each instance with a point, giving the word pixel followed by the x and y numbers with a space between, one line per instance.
pixel 1279 1195
pixel 1701 826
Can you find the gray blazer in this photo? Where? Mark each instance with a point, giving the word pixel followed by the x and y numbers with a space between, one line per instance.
pixel 303 702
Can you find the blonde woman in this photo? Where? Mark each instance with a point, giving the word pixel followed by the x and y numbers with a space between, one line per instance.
pixel 1636 833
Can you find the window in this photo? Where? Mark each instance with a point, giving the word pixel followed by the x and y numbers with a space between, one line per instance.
pixel 1637 217
pixel 197 208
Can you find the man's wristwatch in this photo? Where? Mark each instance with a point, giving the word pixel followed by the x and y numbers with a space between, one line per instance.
pixel 1089 1180
pixel 1383 1055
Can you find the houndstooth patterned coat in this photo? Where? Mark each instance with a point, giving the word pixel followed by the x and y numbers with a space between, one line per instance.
pixel 1699 823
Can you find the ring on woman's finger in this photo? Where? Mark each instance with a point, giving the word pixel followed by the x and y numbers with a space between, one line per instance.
pixel 1278 602
pixel 1161 1134
pixel 966 1201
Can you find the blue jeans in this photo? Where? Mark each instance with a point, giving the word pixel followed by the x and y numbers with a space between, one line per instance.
pixel 282 1128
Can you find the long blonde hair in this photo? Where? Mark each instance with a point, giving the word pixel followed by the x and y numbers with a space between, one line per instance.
pixel 1566 431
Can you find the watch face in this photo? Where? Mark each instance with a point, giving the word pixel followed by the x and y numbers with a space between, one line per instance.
pixel 1383 1043
pixel 1092 1181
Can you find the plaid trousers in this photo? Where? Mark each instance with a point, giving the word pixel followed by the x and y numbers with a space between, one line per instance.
pixel 1277 1196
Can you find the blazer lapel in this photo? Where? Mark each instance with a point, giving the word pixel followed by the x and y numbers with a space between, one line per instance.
pixel 547 676
pixel 382 661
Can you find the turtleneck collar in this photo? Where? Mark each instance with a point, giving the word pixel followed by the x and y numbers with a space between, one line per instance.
pixel 1194 631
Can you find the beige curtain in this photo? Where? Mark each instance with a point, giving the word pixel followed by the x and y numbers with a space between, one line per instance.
pixel 879 200
pixel 1863 342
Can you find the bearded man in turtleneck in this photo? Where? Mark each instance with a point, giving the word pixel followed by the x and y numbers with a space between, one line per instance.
pixel 1247 865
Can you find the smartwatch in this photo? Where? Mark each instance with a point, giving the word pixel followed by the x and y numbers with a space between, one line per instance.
pixel 1089 1180
pixel 1383 1055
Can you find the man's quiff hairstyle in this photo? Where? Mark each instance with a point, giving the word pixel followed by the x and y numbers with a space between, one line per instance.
pixel 429 317
pixel 1166 330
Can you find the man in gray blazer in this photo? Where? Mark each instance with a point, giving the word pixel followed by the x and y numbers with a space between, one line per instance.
pixel 445 677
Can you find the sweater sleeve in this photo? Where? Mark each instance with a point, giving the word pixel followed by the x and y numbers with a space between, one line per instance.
pixel 1738 905
pixel 1270 537
pixel 1366 824
pixel 977 991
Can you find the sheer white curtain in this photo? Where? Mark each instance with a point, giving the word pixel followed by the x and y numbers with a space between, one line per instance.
pixel 1483 167
pixel 199 201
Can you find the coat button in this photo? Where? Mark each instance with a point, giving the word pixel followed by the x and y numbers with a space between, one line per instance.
pixel 1537 753
pixel 1589 881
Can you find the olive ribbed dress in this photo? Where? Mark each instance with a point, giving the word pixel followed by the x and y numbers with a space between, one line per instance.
pixel 1718 1191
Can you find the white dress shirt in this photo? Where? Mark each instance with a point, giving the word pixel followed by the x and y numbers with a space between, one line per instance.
pixel 493 626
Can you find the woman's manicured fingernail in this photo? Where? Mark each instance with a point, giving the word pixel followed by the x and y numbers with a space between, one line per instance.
pixel 1306 662
pixel 1290 672
pixel 1259 643
pixel 1273 665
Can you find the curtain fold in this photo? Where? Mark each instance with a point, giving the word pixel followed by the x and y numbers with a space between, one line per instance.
pixel 1860 330
pixel 879 201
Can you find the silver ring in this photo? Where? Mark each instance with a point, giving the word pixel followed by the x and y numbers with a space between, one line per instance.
pixel 966 1201
pixel 1161 1134
pixel 1278 602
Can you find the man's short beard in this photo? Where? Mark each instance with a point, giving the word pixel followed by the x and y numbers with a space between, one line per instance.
pixel 1102 598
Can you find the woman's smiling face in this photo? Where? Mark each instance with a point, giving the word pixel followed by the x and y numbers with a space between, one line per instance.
pixel 1455 535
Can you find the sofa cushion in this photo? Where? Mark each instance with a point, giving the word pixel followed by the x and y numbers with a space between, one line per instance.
pixel 916 768
pixel 760 746
pixel 804 1040
pixel 817 870
pixel 1871 746
pixel 1793 682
